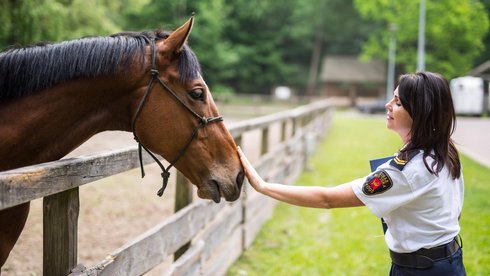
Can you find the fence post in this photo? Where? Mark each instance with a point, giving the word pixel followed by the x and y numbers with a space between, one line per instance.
pixel 183 197
pixel 294 126
pixel 265 141
pixel 283 130
pixel 60 231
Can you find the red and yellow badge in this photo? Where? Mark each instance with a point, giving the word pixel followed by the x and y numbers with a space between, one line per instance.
pixel 377 183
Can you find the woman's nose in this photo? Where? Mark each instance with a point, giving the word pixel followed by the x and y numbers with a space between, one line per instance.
pixel 388 106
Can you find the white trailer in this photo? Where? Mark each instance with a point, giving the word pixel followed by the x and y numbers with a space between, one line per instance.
pixel 468 95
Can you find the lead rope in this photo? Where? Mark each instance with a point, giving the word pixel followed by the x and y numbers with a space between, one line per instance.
pixel 155 74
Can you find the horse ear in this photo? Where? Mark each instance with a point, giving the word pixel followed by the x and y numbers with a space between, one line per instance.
pixel 176 40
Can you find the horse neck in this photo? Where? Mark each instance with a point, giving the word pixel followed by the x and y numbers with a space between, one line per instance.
pixel 48 125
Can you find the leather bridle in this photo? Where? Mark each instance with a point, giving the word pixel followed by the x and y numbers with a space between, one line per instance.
pixel 202 120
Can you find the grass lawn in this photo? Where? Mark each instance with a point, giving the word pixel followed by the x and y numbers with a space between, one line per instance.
pixel 302 241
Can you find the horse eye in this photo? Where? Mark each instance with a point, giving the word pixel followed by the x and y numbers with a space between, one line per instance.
pixel 197 94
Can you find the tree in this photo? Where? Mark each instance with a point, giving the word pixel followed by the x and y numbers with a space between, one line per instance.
pixel 339 29
pixel 243 45
pixel 485 54
pixel 218 60
pixel 30 21
pixel 453 41
pixel 275 40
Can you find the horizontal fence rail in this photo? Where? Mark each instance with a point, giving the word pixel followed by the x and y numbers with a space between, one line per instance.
pixel 204 238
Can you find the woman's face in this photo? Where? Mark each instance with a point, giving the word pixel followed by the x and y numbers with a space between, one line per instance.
pixel 397 118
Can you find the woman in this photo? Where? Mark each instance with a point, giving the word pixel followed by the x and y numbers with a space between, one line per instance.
pixel 418 192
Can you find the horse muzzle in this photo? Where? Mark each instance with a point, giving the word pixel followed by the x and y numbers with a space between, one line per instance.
pixel 216 189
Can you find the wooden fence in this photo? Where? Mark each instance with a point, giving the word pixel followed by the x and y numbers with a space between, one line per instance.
pixel 204 238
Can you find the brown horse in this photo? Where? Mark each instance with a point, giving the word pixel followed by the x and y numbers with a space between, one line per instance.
pixel 54 97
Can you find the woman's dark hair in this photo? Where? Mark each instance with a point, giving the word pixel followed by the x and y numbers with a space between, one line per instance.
pixel 427 98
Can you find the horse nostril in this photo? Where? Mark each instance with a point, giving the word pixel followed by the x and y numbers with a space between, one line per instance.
pixel 239 180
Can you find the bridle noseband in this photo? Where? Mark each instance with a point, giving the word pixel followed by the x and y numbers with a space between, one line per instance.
pixel 202 121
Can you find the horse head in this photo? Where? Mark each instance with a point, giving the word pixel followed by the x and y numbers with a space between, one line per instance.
pixel 174 116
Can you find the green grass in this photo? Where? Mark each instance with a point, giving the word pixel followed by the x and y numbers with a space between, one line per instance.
pixel 303 241
pixel 475 220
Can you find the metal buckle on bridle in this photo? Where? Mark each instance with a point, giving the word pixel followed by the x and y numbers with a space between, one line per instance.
pixel 155 72
pixel 207 120
pixel 202 121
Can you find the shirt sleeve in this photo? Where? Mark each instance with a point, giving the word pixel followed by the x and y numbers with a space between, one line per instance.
pixel 384 190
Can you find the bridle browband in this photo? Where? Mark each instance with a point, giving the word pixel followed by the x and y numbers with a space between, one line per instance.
pixel 155 76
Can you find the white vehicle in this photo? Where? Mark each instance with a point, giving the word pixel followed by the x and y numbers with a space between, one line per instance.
pixel 282 93
pixel 468 95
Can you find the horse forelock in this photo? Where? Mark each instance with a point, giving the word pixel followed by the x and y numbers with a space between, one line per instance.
pixel 189 67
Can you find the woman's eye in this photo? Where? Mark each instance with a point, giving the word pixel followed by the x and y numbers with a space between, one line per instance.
pixel 197 94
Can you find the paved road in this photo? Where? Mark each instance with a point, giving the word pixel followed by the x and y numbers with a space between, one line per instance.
pixel 472 138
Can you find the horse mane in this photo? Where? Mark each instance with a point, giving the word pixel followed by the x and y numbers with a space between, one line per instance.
pixel 25 71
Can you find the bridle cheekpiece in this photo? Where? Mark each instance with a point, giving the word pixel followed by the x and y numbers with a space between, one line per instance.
pixel 202 121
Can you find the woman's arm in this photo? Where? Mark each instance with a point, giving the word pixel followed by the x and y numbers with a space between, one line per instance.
pixel 306 196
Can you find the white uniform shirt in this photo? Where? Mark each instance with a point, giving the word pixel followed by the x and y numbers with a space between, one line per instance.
pixel 420 209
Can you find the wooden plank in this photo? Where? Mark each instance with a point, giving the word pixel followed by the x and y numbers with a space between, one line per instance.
pixel 224 225
pixel 189 263
pixel 255 205
pixel 29 183
pixel 60 229
pixel 252 226
pixel 152 247
pixel 220 228
pixel 225 255
pixel 240 127
pixel 283 153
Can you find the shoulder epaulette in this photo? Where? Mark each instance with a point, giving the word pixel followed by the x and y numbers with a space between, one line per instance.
pixel 402 159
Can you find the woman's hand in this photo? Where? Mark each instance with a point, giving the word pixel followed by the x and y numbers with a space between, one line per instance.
pixel 253 177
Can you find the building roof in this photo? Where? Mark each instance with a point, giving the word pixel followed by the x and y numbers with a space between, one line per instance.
pixel 482 71
pixel 351 69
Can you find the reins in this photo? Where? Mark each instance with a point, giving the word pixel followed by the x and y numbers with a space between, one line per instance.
pixel 155 75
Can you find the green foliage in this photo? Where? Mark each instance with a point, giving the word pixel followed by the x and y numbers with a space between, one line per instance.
pixel 475 219
pixel 215 53
pixel 5 21
pixel 245 46
pixel 453 41
pixel 485 55
pixel 303 241
pixel 260 33
pixel 251 46
pixel 31 21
